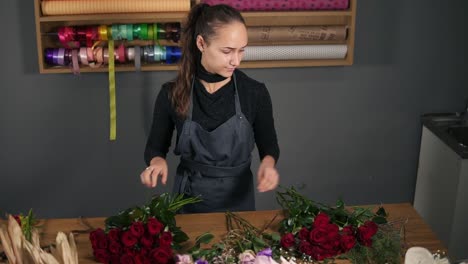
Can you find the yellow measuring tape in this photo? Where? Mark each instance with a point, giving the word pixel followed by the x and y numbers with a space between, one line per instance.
pixel 113 112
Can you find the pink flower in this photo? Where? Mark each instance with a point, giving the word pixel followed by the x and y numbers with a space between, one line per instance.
pixel 247 257
pixel 183 259
pixel 264 260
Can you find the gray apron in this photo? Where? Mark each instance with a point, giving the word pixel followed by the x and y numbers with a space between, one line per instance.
pixel 215 165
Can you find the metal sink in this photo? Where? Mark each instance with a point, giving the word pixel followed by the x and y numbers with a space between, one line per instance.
pixel 452 128
pixel 460 133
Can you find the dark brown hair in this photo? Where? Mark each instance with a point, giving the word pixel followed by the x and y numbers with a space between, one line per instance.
pixel 202 20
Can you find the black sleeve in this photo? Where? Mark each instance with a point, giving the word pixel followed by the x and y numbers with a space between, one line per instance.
pixel 160 136
pixel 264 127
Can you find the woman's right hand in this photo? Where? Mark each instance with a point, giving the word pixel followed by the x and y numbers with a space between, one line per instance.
pixel 157 167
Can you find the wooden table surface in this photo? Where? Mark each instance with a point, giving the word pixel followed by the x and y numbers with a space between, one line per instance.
pixel 417 232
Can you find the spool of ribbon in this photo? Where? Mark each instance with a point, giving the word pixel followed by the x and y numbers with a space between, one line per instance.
pixel 66 36
pixel 97 55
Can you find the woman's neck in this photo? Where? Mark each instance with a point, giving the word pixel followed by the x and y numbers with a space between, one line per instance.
pixel 213 87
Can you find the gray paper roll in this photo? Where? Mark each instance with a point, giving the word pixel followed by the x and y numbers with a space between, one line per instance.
pixel 295 52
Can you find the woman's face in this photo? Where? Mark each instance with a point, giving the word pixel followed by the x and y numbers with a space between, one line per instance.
pixel 225 49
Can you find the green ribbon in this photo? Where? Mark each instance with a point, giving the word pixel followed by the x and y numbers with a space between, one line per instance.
pixel 113 113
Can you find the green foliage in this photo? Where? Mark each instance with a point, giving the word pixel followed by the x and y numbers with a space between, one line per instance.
pixel 163 207
pixel 241 236
pixel 301 212
pixel 28 224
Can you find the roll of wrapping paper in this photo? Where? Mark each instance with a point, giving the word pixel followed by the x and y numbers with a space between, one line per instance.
pixel 294 52
pixel 76 7
pixel 282 5
pixel 296 33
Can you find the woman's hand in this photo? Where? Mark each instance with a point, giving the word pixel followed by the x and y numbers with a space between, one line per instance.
pixel 267 175
pixel 157 167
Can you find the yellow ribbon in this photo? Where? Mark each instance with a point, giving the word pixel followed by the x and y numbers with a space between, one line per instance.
pixel 103 32
pixel 113 113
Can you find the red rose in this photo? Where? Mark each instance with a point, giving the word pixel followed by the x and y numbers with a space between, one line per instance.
pixel 332 243
pixel 161 255
pixel 126 259
pixel 165 240
pixel 114 234
pixel 303 234
pixel 154 226
pixel 348 230
pixel 115 247
pixel 332 230
pixel 366 232
pixel 146 241
pixel 101 255
pixel 98 239
pixel 305 247
pixel 321 219
pixel 347 242
pixel 144 251
pixel 128 239
pixel 131 251
pixel 287 240
pixel 137 229
pixel 318 253
pixel 141 259
pixel 114 259
pixel 318 235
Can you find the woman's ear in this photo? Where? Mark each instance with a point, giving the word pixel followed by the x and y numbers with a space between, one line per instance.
pixel 200 43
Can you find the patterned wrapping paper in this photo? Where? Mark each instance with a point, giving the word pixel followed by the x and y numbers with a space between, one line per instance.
pixel 296 33
pixel 295 52
pixel 78 7
pixel 282 5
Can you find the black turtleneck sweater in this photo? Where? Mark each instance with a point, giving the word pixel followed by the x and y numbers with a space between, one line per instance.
pixel 212 110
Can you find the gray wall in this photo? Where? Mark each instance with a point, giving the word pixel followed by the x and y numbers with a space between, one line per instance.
pixel 351 132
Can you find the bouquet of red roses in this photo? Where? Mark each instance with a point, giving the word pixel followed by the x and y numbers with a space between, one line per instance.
pixel 141 235
pixel 315 232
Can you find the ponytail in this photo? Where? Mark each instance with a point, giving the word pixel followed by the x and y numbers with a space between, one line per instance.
pixel 202 20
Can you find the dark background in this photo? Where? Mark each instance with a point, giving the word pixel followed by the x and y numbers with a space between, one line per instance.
pixel 351 132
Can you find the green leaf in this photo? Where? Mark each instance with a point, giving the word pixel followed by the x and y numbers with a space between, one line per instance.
pixel 379 220
pixel 204 238
pixel 381 212
pixel 259 242
pixel 340 204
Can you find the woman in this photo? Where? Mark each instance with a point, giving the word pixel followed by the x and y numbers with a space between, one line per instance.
pixel 219 113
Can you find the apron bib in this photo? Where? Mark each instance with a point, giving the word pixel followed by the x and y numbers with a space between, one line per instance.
pixel 215 165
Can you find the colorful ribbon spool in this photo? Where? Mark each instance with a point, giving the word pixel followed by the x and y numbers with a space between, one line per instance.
pixel 57 56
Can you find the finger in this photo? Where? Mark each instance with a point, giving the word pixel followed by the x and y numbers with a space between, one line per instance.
pixel 264 182
pixel 154 178
pixel 164 176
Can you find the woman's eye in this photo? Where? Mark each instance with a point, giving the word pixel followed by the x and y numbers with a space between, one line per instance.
pixel 226 51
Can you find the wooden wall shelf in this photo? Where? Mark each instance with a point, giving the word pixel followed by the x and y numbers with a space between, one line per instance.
pixel 46 24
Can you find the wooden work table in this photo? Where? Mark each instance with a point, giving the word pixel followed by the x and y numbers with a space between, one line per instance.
pixel 417 232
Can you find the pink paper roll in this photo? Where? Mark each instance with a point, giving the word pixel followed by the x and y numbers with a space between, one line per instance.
pixel 282 5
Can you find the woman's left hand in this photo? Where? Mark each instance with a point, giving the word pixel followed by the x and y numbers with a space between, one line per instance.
pixel 267 175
